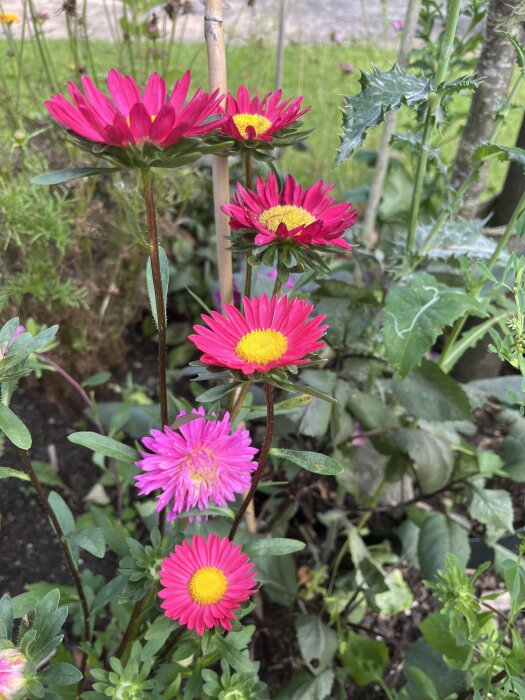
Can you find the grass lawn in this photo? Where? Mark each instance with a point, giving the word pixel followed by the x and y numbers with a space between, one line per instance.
pixel 310 70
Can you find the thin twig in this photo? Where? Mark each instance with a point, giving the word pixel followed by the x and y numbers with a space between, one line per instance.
pixel 42 496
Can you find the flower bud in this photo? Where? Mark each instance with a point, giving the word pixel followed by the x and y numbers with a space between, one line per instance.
pixel 12 667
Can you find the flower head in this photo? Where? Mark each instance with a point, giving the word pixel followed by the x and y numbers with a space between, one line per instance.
pixel 304 216
pixel 398 25
pixel 130 118
pixel 204 582
pixel 203 461
pixel 270 333
pixel 253 119
pixel 9 18
pixel 12 667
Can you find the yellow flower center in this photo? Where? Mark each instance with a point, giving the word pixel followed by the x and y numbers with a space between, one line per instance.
pixel 202 466
pixel 259 123
pixel 262 347
pixel 207 585
pixel 287 214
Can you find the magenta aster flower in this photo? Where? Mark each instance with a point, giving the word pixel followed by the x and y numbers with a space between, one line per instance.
pixel 270 333
pixel 204 582
pixel 203 461
pixel 253 119
pixel 12 667
pixel 133 119
pixel 305 216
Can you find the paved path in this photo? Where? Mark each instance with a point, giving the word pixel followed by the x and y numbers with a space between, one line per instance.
pixel 307 20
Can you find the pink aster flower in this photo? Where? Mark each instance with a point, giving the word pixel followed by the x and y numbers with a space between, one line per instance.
pixel 270 333
pixel 12 667
pixel 203 461
pixel 250 119
pixel 204 582
pixel 132 118
pixel 306 216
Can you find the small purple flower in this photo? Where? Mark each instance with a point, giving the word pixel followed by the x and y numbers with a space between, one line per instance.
pixel 273 276
pixel 42 16
pixel 398 25
pixel 236 297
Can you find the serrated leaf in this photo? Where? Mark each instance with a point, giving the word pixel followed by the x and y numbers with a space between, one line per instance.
pixel 492 507
pixel 164 276
pixel 519 48
pixel 57 177
pixel 317 642
pixel 438 536
pixel 381 92
pixel 7 472
pixel 415 315
pixel 15 431
pixel 458 237
pixel 105 446
pixel 512 153
pixel 313 461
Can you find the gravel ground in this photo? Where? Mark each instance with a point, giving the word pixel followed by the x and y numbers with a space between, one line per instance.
pixel 306 20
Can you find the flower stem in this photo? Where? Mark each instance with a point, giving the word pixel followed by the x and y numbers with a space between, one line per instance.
pixel 159 295
pixel 134 623
pixel 248 184
pixel 239 400
pixel 268 392
pixel 151 215
pixel 434 102
pixel 42 496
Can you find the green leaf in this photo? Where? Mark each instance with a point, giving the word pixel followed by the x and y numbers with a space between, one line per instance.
pixel 63 513
pixel 519 48
pixel 97 379
pixel 317 642
pixel 315 418
pixel 57 177
pixel 272 546
pixel 91 539
pixel 6 472
pixel 6 614
pixel 512 153
pixel 492 507
pixel 313 461
pixel 432 455
pixel 105 446
pixel 398 598
pixel 14 429
pixel 438 536
pixel 381 92
pixel 218 392
pixel 164 276
pixel 429 393
pixel 458 237
pixel 416 314
pixel 436 630
pixel 239 660
pixel 365 659
pixel 60 674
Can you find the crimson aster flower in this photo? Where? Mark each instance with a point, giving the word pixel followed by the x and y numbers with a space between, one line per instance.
pixel 269 333
pixel 12 667
pixel 256 119
pixel 130 118
pixel 304 216
pixel 203 461
pixel 204 582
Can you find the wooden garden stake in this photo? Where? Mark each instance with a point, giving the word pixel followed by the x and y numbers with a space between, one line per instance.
pixel 214 34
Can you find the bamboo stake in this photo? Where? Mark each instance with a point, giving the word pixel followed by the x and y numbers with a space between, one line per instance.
pixel 214 35
pixel 383 157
